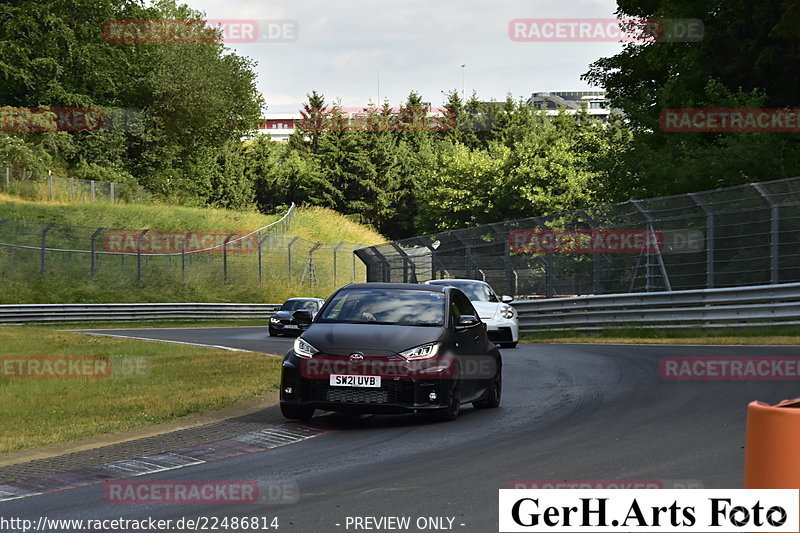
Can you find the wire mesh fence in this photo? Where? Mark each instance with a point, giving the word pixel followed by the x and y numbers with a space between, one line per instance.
pixel 743 235
pixel 55 188
pixel 123 258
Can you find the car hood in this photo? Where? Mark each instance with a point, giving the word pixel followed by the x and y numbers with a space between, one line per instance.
pixel 486 310
pixel 369 339
pixel 285 315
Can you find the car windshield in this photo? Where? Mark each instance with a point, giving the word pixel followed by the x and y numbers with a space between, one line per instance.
pixel 386 306
pixel 476 292
pixel 294 305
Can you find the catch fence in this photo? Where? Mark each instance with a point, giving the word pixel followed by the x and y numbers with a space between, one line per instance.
pixel 269 256
pixel 736 236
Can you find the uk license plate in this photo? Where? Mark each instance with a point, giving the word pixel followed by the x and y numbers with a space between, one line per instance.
pixel 338 380
pixel 291 326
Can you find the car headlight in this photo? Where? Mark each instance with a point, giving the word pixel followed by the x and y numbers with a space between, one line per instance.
pixel 426 351
pixel 303 349
pixel 274 320
pixel 507 311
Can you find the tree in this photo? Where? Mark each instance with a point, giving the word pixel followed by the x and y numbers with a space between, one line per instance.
pixel 310 128
pixel 191 100
pixel 746 58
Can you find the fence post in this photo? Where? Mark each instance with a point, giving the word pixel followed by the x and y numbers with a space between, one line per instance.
pixel 774 232
pixel 310 270
pixel 111 190
pixel 138 248
pixel 710 245
pixel 354 259
pixel 596 282
pixel 71 188
pixel 260 243
pixel 225 258
pixel 91 186
pixel 94 237
pixel 648 256
pixel 508 269
pixel 8 177
pixel 183 255
pixel 289 257
pixel 335 251
pixel 44 244
pixel 10 249
pixel 50 183
pixel 549 262
pixel 409 268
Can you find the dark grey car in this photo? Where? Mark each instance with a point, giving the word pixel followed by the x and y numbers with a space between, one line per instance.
pixel 391 348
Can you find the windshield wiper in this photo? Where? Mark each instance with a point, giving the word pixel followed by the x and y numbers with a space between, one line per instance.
pixel 425 324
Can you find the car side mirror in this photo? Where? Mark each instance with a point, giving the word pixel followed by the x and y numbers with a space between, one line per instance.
pixel 506 299
pixel 467 321
pixel 302 317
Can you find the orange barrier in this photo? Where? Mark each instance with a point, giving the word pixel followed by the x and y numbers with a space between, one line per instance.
pixel 772 446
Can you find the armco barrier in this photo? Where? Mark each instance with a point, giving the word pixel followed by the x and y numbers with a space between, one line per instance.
pixel 133 311
pixel 761 305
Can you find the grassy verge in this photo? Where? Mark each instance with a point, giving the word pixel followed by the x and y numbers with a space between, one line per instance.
pixel 200 277
pixel 779 335
pixel 149 383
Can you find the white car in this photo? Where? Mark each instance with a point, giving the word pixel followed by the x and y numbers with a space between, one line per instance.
pixel 502 322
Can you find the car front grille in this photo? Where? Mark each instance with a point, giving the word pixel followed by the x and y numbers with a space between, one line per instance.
pixel 358 396
pixel 390 391
pixel 499 335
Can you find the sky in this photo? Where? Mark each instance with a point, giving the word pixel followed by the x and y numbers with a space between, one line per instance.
pixel 358 50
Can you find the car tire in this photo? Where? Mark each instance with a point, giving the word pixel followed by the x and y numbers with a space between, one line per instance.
pixel 493 394
pixel 296 412
pixel 272 333
pixel 453 408
pixel 508 344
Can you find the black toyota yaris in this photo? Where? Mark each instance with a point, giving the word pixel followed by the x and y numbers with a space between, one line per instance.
pixel 391 348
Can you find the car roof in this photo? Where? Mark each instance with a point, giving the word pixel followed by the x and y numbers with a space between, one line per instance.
pixel 399 286
pixel 446 281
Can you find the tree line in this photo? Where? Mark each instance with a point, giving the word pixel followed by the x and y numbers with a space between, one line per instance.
pixel 397 170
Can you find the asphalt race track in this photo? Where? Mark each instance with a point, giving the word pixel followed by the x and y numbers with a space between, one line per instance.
pixel 569 412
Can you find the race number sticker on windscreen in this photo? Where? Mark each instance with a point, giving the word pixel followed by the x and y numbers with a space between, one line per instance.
pixel 338 380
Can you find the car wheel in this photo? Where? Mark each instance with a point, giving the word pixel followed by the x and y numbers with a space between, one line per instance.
pixel 453 404
pixel 493 393
pixel 296 412
pixel 508 344
pixel 272 333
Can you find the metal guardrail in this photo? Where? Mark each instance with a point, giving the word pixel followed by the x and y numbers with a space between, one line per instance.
pixel 762 305
pixel 134 311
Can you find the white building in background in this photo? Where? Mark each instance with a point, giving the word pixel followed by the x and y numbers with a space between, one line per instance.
pixel 279 126
pixel 595 103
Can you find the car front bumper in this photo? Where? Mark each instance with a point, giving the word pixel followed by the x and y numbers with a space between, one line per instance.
pixel 395 395
pixel 281 327
pixel 502 330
